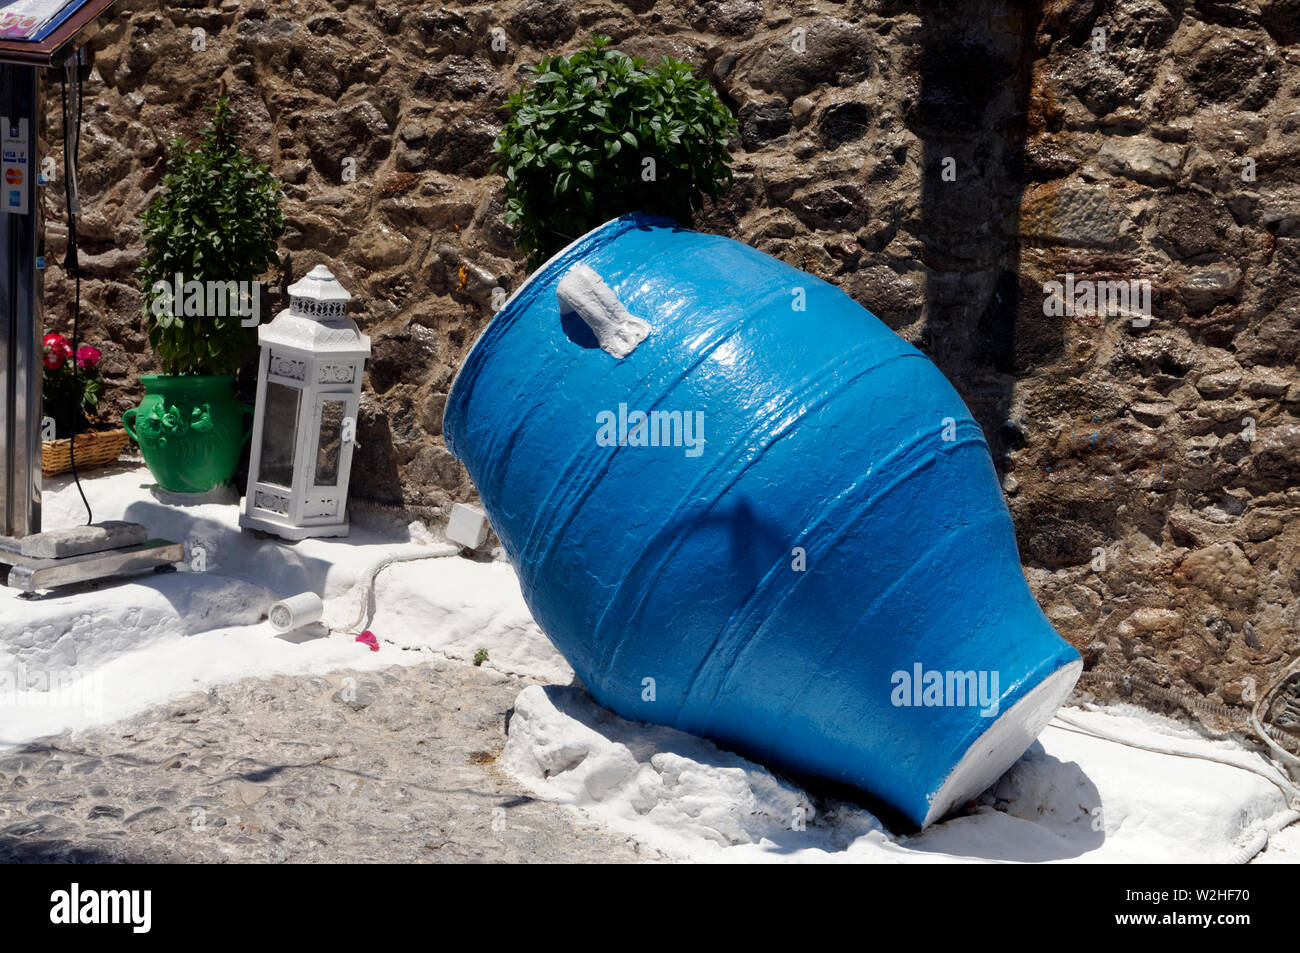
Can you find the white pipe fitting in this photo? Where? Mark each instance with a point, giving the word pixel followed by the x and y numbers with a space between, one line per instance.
pixel 296 612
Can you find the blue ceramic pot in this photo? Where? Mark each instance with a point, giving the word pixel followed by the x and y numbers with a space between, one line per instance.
pixel 800 550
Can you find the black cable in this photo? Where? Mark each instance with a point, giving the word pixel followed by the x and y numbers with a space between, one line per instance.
pixel 72 143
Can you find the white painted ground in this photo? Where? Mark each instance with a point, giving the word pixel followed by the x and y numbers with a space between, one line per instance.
pixel 133 645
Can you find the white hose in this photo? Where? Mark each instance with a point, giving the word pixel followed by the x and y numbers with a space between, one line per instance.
pixel 1283 755
pixel 1266 830
pixel 1259 841
pixel 1291 792
pixel 366 610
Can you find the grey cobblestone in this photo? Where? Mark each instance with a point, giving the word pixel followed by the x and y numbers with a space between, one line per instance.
pixel 391 766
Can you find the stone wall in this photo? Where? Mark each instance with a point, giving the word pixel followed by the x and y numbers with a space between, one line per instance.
pixel 1154 472
pixel 941 161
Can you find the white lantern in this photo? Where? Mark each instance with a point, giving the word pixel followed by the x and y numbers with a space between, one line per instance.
pixel 304 426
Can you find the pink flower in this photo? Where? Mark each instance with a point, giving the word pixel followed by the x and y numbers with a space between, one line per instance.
pixel 368 638
pixel 56 350
pixel 88 357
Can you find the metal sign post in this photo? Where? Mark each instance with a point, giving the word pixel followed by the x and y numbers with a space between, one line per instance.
pixel 29 558
pixel 21 235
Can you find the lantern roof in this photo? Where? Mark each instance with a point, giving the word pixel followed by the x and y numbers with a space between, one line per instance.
pixel 317 318
pixel 318 293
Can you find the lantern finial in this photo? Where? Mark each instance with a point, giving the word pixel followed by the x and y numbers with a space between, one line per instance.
pixel 318 295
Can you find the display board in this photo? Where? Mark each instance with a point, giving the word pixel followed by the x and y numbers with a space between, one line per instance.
pixel 44 32
pixel 34 20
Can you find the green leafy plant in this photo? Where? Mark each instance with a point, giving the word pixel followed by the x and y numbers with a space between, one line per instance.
pixel 216 222
pixel 598 134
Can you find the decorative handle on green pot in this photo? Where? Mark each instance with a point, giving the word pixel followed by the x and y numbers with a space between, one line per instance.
pixel 200 418
pixel 128 421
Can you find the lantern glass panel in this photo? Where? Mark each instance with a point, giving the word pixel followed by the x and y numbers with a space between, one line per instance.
pixel 330 447
pixel 279 434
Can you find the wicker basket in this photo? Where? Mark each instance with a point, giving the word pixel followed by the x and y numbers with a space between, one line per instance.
pixel 95 448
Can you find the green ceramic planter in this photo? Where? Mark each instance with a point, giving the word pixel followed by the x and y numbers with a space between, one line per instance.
pixel 190 429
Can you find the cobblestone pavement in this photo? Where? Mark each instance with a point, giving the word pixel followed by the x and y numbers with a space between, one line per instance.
pixel 394 766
